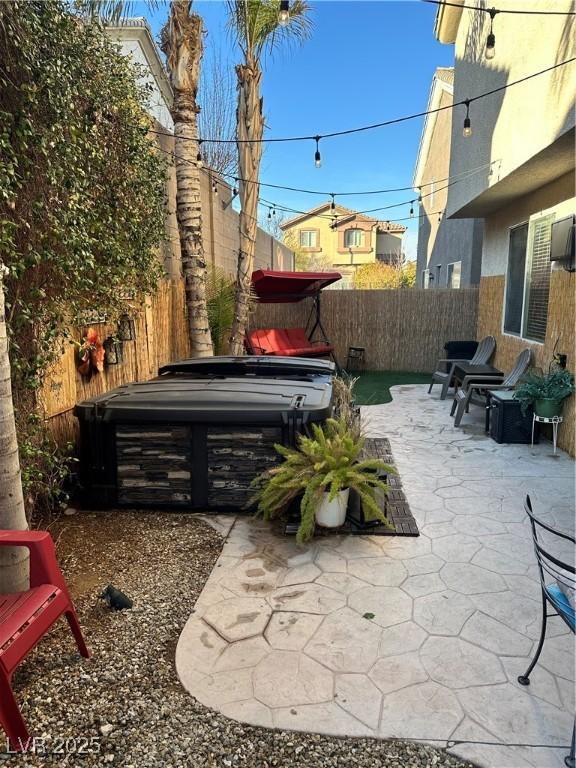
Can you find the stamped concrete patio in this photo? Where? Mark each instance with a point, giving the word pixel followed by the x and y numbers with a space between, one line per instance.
pixel 420 638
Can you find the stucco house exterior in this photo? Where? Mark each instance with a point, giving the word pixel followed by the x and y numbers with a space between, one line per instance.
pixel 343 239
pixel 135 39
pixel 449 251
pixel 524 135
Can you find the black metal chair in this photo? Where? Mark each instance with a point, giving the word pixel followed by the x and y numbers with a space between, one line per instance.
pixel 557 581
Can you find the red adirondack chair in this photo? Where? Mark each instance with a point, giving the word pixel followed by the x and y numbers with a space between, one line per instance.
pixel 25 617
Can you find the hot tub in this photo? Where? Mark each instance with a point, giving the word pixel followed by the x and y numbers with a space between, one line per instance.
pixel 196 436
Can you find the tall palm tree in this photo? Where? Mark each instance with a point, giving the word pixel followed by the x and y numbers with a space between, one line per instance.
pixel 257 29
pixel 13 561
pixel 182 44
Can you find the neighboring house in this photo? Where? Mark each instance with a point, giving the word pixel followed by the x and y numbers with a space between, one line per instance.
pixel 136 41
pixel 343 239
pixel 525 134
pixel 449 252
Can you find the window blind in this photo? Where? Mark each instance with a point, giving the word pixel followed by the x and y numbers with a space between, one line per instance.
pixel 538 278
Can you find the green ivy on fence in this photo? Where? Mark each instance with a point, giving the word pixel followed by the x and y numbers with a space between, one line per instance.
pixel 82 199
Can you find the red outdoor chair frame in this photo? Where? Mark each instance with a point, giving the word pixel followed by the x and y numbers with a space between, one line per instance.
pixel 25 617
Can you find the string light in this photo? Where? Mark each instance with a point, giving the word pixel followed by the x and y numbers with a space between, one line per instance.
pixel 199 161
pixel 523 11
pixel 332 204
pixel 317 158
pixel 490 51
pixel 215 188
pixel 467 130
pixel 412 209
pixel 461 177
pixel 439 217
pixel 373 126
pixel 284 13
pixel 269 214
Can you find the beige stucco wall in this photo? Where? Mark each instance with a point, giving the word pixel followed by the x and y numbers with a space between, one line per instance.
pixel 219 229
pixel 513 125
pixel 221 235
pixel 557 197
pixel 437 167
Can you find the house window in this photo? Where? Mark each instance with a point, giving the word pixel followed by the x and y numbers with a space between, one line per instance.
pixel 515 279
pixel 528 279
pixel 425 278
pixel 308 238
pixel 353 238
pixel 454 272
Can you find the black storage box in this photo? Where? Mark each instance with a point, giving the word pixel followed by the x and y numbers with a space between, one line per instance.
pixel 507 422
pixel 195 437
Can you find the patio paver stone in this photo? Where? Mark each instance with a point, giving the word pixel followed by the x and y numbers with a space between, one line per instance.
pixel 420 638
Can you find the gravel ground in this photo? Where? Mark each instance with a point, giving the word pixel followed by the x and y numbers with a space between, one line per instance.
pixel 127 698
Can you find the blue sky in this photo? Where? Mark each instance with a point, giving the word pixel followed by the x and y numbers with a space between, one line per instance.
pixel 365 62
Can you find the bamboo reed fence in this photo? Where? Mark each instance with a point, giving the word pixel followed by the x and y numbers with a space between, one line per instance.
pixel 400 329
pixel 161 336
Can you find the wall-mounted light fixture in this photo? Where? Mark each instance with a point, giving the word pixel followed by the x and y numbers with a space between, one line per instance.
pixel 126 329
pixel 113 354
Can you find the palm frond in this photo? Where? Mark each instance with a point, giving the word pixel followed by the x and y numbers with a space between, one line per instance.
pixel 254 25
pixel 220 289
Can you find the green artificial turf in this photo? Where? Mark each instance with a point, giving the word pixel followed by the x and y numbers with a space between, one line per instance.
pixel 373 387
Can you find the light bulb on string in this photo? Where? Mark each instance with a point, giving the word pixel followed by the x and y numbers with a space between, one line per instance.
pixel 412 209
pixel 317 158
pixel 284 13
pixel 439 217
pixel 269 214
pixel 467 130
pixel 490 50
pixel 199 160
pixel 332 204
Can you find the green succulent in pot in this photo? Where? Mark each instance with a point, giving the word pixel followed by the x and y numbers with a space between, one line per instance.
pixel 545 392
pixel 321 469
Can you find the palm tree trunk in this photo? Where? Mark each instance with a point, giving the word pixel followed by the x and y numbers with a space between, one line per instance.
pixel 182 43
pixel 13 560
pixel 250 126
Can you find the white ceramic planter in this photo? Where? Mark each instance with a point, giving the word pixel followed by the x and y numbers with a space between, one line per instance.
pixel 332 514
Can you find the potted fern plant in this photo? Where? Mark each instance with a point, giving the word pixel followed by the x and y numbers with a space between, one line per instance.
pixel 322 469
pixel 546 392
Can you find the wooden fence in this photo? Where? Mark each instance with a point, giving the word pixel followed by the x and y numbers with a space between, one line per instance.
pixel 401 329
pixel 161 336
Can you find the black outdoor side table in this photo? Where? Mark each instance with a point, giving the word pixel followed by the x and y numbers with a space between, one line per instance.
pixel 461 370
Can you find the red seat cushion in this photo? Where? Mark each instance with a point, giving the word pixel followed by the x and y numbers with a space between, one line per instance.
pixel 291 342
pixel 297 338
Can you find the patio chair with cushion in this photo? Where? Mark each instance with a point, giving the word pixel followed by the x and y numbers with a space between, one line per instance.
pixel 444 372
pixel 475 387
pixel 557 584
